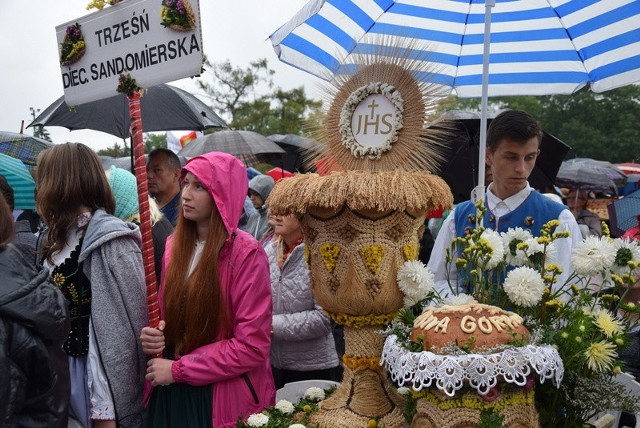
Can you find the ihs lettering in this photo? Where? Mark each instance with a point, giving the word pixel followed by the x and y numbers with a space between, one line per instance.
pixel 382 124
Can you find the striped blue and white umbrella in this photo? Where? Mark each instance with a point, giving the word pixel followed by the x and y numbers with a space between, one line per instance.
pixel 538 47
pixel 479 48
pixel 20 180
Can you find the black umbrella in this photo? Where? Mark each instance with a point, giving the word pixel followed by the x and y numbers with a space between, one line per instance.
pixel 584 177
pixel 249 146
pixel 295 146
pixel 22 146
pixel 623 213
pixel 605 168
pixel 460 167
pixel 163 108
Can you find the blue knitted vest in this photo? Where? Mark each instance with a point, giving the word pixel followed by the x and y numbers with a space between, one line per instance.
pixel 531 215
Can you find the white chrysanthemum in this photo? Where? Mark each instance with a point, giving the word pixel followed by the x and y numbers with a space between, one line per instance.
pixel 492 239
pixel 297 426
pixel 593 255
pixel 459 299
pixel 258 420
pixel 285 407
pixel 626 250
pixel 403 390
pixel 524 286
pixel 314 393
pixel 511 238
pixel 415 281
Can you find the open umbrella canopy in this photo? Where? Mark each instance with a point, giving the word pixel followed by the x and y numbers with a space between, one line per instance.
pixel 623 213
pixel 278 174
pixel 163 108
pixel 20 180
pixel 538 47
pixel 22 146
pixel 294 145
pixel 629 167
pixel 601 167
pixel 248 146
pixel 576 176
pixel 460 166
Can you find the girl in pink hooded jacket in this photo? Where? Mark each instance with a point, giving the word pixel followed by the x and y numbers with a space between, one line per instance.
pixel 216 305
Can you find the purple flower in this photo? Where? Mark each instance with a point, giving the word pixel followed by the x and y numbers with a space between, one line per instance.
pixel 180 6
pixel 528 386
pixel 491 395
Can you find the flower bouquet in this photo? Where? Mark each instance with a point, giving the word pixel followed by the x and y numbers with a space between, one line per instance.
pixel 73 45
pixel 178 15
pixel 577 325
pixel 286 414
pixel 100 4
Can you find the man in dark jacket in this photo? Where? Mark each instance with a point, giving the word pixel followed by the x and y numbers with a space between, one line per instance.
pixel 34 391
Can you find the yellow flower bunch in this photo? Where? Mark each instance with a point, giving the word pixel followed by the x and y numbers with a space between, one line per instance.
pixel 372 255
pixel 361 362
pixel 329 254
pixel 410 252
pixel 362 320
pixel 100 4
pixel 76 48
pixel 474 401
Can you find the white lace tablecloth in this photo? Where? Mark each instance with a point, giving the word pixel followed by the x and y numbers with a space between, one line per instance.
pixel 449 373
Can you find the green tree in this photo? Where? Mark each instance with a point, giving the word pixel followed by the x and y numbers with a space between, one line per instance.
pixel 151 141
pixel 39 131
pixel 281 112
pixel 233 86
pixel 235 93
pixel 115 151
pixel 154 141
pixel 601 126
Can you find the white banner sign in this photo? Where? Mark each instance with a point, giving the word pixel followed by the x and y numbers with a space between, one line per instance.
pixel 154 43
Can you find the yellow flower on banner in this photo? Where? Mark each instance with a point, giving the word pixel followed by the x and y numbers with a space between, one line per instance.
pixel 372 255
pixel 410 252
pixel 330 254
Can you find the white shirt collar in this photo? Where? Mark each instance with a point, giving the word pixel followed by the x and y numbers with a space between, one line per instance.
pixel 500 207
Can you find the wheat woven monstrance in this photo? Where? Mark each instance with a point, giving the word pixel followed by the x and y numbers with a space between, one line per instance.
pixel 364 220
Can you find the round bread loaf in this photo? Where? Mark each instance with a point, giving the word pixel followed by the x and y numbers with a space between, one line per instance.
pixel 472 327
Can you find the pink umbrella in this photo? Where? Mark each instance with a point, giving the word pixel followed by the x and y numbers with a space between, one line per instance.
pixel 629 167
pixel 278 174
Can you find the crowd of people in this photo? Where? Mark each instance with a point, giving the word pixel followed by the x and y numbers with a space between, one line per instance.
pixel 238 317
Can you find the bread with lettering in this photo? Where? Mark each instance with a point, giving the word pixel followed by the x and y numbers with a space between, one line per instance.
pixel 473 327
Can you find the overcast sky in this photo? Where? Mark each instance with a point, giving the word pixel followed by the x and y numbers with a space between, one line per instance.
pixel 30 72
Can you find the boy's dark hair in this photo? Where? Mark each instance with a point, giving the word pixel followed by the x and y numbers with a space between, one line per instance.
pixel 172 159
pixel 7 192
pixel 513 125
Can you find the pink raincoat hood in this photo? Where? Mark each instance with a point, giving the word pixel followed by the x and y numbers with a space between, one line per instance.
pixel 225 177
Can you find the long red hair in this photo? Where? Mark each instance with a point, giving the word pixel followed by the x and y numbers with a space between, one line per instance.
pixel 196 311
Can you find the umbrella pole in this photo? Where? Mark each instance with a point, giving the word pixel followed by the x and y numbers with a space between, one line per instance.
pixel 143 201
pixel 478 192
